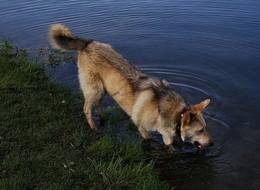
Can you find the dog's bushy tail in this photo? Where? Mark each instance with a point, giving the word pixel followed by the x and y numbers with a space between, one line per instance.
pixel 62 38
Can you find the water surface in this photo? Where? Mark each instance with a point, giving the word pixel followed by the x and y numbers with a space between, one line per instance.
pixel 204 49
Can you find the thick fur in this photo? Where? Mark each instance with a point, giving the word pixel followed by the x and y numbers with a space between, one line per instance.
pixel 150 102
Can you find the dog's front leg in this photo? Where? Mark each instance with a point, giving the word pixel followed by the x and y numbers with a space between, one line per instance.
pixel 167 139
pixel 145 134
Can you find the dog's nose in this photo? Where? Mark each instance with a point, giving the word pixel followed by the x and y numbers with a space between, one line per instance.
pixel 211 143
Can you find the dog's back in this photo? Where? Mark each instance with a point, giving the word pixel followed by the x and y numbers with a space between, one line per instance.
pixel 63 38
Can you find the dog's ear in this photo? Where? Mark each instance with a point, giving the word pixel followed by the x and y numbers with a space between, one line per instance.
pixel 186 118
pixel 201 106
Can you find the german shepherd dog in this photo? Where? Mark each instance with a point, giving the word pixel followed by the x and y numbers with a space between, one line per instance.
pixel 150 102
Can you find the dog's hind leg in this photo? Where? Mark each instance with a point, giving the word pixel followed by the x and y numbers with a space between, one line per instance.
pixel 89 101
pixel 93 90
pixel 96 96
pixel 101 112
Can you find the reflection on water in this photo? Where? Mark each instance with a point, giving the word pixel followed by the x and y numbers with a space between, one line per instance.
pixel 205 49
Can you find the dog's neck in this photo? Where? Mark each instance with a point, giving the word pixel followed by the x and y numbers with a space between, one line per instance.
pixel 178 126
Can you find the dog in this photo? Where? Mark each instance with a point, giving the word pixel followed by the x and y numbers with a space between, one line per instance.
pixel 149 101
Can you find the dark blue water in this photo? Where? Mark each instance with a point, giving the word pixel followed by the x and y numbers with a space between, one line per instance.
pixel 204 48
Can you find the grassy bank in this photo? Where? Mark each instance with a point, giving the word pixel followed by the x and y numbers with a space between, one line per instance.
pixel 45 142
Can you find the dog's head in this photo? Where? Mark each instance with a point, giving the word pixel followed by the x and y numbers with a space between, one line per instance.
pixel 193 126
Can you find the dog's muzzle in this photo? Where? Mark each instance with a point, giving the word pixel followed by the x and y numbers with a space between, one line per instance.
pixel 201 146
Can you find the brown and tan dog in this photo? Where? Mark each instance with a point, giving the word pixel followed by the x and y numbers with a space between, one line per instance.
pixel 150 102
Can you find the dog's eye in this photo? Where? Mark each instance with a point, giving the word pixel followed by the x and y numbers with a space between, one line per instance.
pixel 201 131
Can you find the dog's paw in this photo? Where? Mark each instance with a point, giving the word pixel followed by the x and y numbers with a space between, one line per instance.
pixel 169 148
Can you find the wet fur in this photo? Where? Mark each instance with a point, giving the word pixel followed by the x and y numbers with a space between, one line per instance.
pixel 150 102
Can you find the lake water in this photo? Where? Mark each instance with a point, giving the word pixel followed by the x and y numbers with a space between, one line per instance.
pixel 203 48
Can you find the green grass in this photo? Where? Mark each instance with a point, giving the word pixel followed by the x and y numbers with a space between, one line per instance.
pixel 45 142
